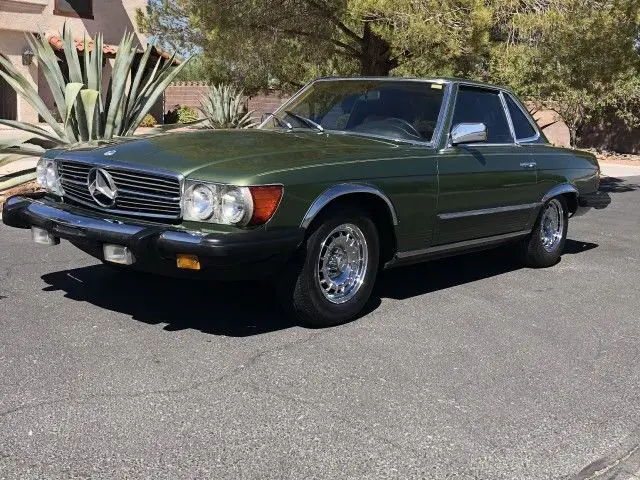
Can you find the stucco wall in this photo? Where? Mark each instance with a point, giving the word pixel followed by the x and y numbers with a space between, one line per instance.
pixel 12 45
pixel 111 17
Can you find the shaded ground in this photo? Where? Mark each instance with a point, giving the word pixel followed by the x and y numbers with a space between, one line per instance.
pixel 471 367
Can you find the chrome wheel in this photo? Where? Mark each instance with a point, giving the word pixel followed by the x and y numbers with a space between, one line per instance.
pixel 552 225
pixel 342 263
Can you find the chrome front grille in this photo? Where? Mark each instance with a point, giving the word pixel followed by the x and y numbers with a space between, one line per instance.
pixel 139 193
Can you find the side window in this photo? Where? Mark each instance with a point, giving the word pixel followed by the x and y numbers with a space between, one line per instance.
pixel 479 105
pixel 74 8
pixel 521 124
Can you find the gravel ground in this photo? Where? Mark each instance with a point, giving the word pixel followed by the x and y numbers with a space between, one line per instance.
pixel 470 367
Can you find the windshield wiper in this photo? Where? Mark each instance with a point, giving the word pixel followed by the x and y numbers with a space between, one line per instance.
pixel 307 121
pixel 281 123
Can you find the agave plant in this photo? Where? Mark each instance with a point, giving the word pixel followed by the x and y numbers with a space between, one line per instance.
pixel 22 146
pixel 87 111
pixel 223 107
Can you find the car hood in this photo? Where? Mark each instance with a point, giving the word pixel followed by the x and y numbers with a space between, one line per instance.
pixel 233 156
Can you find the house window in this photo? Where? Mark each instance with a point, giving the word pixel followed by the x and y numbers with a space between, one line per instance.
pixel 8 100
pixel 74 8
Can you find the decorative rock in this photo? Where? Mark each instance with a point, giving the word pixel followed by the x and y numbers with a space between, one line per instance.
pixel 552 125
pixel 28 187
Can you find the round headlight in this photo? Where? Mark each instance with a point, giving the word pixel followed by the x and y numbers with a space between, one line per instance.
pixel 233 208
pixel 223 204
pixel 47 176
pixel 41 171
pixel 51 178
pixel 200 202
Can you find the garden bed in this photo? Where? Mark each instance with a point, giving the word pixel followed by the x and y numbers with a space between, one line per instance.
pixel 618 158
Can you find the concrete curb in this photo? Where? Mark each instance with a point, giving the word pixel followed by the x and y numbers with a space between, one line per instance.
pixel 619 170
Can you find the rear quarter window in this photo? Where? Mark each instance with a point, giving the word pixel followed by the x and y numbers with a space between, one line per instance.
pixel 521 124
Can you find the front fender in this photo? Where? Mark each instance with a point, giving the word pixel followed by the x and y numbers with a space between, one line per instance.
pixel 340 190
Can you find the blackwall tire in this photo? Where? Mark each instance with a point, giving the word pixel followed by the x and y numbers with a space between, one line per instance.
pixel 543 247
pixel 331 280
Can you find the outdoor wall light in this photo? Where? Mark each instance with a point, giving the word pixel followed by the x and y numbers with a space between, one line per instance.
pixel 27 56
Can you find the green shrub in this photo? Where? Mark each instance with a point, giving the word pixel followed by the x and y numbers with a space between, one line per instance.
pixel 148 121
pixel 181 114
pixel 187 114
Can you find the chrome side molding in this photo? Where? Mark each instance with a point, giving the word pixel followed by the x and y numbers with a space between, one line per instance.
pixel 487 211
pixel 340 190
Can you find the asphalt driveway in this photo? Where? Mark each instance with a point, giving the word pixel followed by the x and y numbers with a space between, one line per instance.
pixel 471 367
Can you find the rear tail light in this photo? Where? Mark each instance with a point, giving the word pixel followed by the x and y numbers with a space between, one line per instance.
pixel 265 202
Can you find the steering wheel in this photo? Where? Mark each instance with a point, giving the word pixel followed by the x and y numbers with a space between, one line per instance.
pixel 404 125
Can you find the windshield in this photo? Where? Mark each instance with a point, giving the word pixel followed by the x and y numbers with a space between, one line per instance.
pixel 401 110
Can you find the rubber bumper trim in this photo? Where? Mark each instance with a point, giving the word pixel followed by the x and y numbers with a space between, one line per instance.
pixel 24 212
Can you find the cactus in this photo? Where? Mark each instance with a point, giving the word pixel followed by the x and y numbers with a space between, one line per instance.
pixel 87 111
pixel 223 107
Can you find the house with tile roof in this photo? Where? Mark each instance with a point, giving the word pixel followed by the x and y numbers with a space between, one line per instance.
pixel 84 17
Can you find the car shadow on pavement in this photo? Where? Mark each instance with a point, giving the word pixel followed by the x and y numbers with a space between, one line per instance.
pixel 244 308
pixel 617 185
pixel 232 309
pixel 422 278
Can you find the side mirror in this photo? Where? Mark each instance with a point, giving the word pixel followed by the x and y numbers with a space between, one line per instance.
pixel 468 133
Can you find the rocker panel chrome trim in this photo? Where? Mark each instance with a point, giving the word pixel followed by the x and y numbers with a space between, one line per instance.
pixel 461 245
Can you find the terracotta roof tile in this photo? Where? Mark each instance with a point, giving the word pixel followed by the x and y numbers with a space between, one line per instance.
pixel 56 42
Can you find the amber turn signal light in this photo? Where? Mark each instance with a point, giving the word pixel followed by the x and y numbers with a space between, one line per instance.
pixel 188 262
pixel 265 201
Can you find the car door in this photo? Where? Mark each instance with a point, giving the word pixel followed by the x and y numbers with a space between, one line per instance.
pixel 530 139
pixel 486 188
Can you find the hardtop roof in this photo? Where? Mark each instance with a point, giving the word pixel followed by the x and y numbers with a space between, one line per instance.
pixel 456 80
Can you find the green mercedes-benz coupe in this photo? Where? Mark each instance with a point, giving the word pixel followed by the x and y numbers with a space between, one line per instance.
pixel 350 176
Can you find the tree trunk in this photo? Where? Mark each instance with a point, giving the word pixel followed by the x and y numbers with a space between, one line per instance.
pixel 375 58
pixel 573 136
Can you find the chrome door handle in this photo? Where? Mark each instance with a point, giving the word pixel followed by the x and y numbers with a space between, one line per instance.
pixel 528 164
